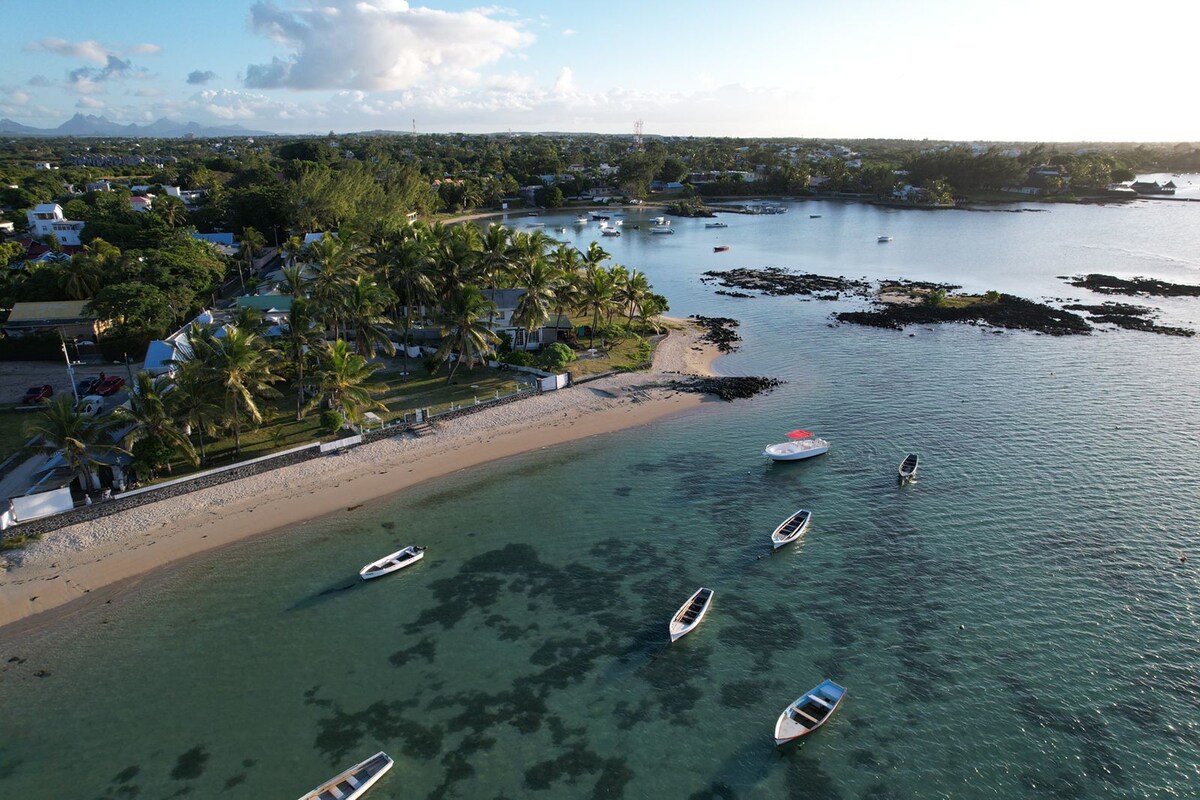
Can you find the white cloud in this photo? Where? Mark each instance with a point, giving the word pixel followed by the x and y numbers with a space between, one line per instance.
pixel 379 45
pixel 565 84
pixel 89 103
pixel 148 91
pixel 89 50
pixel 569 32
pixel 146 49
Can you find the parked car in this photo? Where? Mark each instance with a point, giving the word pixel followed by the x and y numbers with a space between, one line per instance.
pixel 90 406
pixel 110 386
pixel 36 394
pixel 87 386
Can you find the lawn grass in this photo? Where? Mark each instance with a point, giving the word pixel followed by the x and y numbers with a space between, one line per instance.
pixel 419 389
pixel 618 352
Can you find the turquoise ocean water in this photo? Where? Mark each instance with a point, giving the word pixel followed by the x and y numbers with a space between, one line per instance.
pixel 524 657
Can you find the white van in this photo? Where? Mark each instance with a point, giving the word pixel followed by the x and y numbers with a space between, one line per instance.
pixel 91 405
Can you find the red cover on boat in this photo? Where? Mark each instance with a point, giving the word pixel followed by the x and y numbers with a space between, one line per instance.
pixel 799 433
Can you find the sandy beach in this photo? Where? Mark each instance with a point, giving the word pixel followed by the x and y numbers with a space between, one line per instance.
pixel 90 563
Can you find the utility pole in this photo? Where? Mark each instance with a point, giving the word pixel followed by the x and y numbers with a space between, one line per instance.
pixel 637 134
pixel 70 369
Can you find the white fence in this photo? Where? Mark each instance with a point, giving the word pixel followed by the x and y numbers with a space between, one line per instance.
pixel 341 444
pixel 34 506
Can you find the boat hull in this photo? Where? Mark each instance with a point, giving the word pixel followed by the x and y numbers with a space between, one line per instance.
pixel 800 455
pixel 342 788
pixel 370 571
pixel 778 541
pixel 788 730
pixel 676 628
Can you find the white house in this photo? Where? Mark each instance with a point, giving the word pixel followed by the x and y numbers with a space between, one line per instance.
pixel 47 219
pixel 141 204
pixel 41 166
pixel 506 301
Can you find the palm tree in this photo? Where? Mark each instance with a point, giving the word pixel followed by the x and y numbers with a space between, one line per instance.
pixel 78 437
pixel 171 210
pixel 252 240
pixel 193 401
pixel 82 276
pixel 539 281
pixel 631 291
pixel 411 269
pixel 302 335
pixel 345 378
pixel 294 283
pixel 594 257
pixel 241 365
pixel 466 332
pixel 364 305
pixel 334 264
pixel 494 260
pixel 596 296
pixel 155 425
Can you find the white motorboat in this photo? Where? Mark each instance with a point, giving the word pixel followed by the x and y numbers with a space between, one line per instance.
pixel 609 230
pixel 715 225
pixel 883 239
pixel 661 229
pixel 802 445
pixel 690 614
pixel 396 561
pixel 662 222
pixel 791 529
pixel 354 782
pixel 809 712
pixel 581 219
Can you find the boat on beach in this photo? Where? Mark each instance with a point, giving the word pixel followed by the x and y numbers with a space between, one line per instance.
pixel 354 782
pixel 810 711
pixel 389 564
pixel 802 445
pixel 908 467
pixel 690 614
pixel 791 529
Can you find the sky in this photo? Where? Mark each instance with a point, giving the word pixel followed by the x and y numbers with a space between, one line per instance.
pixel 1053 70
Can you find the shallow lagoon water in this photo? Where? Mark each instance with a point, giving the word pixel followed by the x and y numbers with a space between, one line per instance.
pixel 525 656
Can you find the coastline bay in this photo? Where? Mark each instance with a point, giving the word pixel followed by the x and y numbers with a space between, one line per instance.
pixel 524 656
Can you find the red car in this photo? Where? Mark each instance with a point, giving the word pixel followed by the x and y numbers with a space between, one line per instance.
pixel 36 394
pixel 109 386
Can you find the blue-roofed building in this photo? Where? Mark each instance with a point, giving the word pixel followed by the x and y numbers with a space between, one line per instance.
pixel 222 241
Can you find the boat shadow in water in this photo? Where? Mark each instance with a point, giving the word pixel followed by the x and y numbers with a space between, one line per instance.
pixel 328 593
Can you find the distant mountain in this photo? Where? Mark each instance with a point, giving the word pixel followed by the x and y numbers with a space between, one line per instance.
pixel 90 125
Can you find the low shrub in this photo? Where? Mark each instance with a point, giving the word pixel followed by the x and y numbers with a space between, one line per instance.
pixel 331 421
pixel 557 356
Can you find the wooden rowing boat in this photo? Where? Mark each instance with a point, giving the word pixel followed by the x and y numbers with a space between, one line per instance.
pixel 810 711
pixel 690 614
pixel 791 528
pixel 354 782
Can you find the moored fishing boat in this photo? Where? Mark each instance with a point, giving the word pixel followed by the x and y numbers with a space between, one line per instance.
pixel 721 248
pixel 715 225
pixel 690 614
pixel 803 445
pixel 609 230
pixel 354 782
pixel 661 229
pixel 389 564
pixel 883 239
pixel 791 529
pixel 581 219
pixel 908 467
pixel 810 711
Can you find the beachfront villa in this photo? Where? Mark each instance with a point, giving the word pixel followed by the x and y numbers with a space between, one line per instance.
pixel 48 219
pixel 557 326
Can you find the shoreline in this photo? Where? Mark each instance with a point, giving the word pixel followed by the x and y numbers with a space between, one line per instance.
pixel 92 563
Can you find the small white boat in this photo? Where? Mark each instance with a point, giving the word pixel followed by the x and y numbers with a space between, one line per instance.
pixel 662 222
pixel 690 614
pixel 908 467
pixel 561 229
pixel 354 782
pixel 618 222
pixel 809 712
pixel 661 229
pixel 791 529
pixel 883 239
pixel 581 219
pixel 797 450
pixel 396 561
pixel 609 230
pixel 715 225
